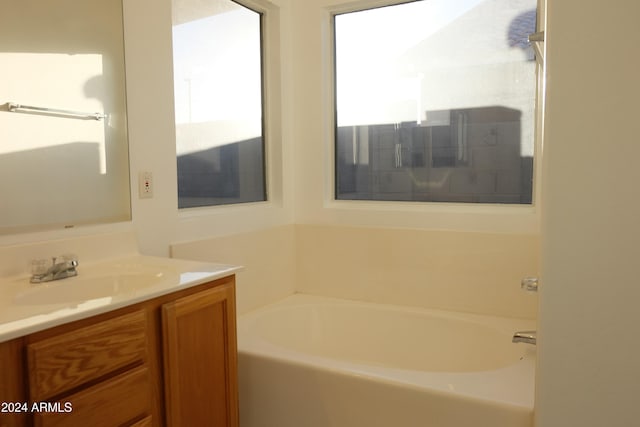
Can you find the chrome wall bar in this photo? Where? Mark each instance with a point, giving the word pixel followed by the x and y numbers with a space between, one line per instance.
pixel 29 109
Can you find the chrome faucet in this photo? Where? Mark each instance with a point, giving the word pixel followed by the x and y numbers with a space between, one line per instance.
pixel 58 269
pixel 529 284
pixel 528 337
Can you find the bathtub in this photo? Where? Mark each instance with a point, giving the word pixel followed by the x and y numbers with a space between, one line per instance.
pixel 311 361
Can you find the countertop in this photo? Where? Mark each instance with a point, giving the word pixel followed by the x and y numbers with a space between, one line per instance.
pixel 98 288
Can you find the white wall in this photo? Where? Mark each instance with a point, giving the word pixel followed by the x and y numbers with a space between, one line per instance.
pixel 149 70
pixel 589 368
pixel 157 221
pixel 61 59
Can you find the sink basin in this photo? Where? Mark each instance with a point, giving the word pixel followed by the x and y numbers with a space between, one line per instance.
pixel 82 289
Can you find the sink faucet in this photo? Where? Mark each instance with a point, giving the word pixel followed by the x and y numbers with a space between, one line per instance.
pixel 528 337
pixel 58 270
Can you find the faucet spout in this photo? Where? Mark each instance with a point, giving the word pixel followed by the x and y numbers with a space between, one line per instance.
pixel 57 271
pixel 528 337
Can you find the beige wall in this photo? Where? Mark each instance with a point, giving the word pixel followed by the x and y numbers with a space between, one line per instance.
pixel 266 256
pixel 462 271
pixel 589 368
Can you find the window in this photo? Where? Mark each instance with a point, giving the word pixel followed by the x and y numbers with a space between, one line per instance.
pixel 217 50
pixel 435 102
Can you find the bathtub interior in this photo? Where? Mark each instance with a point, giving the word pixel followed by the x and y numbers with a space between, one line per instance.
pixel 318 361
pixel 390 336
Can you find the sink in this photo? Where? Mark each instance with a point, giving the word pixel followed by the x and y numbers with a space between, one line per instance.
pixel 99 287
pixel 82 289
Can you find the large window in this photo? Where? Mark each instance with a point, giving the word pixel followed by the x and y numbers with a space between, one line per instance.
pixel 218 103
pixel 435 101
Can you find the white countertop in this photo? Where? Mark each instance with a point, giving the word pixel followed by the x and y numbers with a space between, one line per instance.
pixel 98 288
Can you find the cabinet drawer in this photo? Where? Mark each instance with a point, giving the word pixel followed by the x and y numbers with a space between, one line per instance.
pixel 66 361
pixel 111 403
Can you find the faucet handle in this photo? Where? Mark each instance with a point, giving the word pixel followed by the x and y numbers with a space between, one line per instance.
pixel 528 337
pixel 40 265
pixel 529 284
pixel 70 258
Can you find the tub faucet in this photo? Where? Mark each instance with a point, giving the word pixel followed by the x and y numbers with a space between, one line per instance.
pixel 58 269
pixel 528 337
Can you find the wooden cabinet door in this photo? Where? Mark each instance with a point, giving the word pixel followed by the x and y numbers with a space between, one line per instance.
pixel 200 364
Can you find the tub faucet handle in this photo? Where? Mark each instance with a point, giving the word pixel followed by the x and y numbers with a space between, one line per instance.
pixel 527 337
pixel 529 284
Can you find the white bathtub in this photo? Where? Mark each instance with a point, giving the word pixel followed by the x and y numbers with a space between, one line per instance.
pixel 311 361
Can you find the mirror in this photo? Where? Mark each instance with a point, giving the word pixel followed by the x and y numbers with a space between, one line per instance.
pixel 64 158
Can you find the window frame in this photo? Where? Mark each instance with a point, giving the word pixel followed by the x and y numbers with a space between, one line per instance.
pixel 264 14
pixel 331 200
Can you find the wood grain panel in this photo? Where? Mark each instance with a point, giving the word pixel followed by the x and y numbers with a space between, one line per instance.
pixel 146 422
pixel 69 360
pixel 115 402
pixel 201 361
pixel 12 384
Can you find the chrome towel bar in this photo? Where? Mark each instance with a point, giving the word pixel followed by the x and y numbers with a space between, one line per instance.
pixel 29 109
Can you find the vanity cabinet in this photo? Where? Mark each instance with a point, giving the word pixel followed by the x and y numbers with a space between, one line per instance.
pixel 170 360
